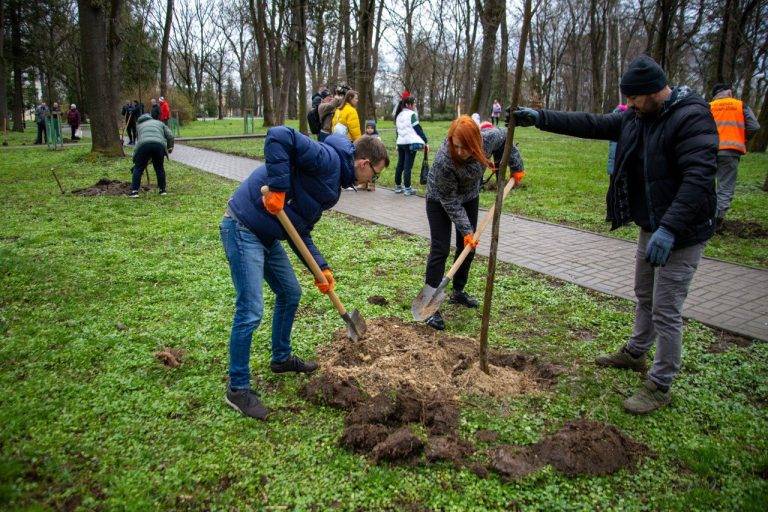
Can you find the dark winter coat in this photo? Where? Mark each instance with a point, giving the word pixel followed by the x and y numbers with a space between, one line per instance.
pixel 665 164
pixel 310 173
pixel 150 130
pixel 73 117
pixel 155 111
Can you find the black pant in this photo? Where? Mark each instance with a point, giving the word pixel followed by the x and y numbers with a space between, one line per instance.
pixel 141 157
pixel 41 135
pixel 440 243
pixel 132 135
pixel 405 158
pixel 74 129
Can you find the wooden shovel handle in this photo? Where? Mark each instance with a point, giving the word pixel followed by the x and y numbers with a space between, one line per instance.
pixel 305 254
pixel 479 231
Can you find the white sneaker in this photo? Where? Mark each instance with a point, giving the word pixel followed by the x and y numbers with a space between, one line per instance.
pixel 398 189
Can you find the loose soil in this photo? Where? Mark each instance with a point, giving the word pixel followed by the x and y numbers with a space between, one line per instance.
pixel 171 357
pixel 377 300
pixel 581 447
pixel 106 187
pixel 726 341
pixel 743 229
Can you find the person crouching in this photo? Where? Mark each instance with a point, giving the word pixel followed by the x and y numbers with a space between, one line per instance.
pixel 153 141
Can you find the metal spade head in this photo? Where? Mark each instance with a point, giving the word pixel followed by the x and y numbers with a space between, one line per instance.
pixel 356 327
pixel 428 301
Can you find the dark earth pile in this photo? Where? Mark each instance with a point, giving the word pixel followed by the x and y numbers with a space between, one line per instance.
pixel 396 415
pixel 106 187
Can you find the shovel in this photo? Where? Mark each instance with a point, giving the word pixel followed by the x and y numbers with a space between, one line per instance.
pixel 429 299
pixel 355 322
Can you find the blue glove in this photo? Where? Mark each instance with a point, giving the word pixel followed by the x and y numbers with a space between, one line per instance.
pixel 659 247
pixel 524 116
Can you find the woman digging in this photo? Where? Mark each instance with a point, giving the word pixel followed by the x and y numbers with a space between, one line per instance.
pixel 453 199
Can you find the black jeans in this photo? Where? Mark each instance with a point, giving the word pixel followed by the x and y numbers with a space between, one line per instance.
pixel 440 243
pixel 74 129
pixel 405 158
pixel 41 135
pixel 132 135
pixel 152 151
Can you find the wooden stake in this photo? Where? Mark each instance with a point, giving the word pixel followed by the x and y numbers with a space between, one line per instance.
pixel 501 178
pixel 57 181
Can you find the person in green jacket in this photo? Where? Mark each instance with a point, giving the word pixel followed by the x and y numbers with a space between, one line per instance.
pixel 153 142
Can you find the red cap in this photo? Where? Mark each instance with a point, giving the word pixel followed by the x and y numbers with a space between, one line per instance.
pixel 405 95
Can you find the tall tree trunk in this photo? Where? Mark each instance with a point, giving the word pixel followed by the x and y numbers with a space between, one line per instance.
pixel 759 142
pixel 301 64
pixel 257 18
pixel 349 63
pixel 367 13
pixel 502 71
pixel 471 37
pixel 3 81
pixel 490 17
pixel 16 56
pixel 164 48
pixel 99 44
pixel 596 34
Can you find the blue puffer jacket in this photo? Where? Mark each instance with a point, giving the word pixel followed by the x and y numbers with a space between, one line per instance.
pixel 311 174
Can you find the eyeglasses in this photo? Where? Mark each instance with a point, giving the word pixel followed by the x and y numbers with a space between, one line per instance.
pixel 375 175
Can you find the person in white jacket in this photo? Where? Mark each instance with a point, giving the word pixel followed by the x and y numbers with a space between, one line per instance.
pixel 410 139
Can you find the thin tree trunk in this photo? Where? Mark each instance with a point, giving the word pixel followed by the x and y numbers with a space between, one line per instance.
pixel 164 48
pixel 99 44
pixel 3 81
pixel 257 18
pixel 759 142
pixel 367 12
pixel 502 72
pixel 349 65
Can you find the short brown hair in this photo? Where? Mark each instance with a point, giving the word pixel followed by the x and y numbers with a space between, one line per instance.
pixel 371 148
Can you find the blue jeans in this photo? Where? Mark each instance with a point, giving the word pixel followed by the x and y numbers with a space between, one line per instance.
pixel 250 263
pixel 405 158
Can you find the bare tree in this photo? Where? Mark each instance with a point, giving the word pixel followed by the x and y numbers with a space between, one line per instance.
pixel 490 17
pixel 164 48
pixel 259 27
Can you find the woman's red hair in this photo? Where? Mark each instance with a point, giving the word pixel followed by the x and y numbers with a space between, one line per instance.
pixel 468 133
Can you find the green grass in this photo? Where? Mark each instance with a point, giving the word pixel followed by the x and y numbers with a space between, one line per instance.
pixel 566 184
pixel 90 419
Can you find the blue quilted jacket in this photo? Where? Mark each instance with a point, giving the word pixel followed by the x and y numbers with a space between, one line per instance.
pixel 311 174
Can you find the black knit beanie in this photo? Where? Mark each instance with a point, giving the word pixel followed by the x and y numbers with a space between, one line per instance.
pixel 643 76
pixel 718 88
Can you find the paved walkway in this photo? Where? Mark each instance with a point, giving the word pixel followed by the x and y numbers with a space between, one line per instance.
pixel 724 295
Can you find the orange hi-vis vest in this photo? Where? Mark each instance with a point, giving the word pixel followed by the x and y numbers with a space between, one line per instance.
pixel 729 117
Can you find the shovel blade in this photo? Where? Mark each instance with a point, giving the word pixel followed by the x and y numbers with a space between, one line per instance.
pixel 428 301
pixel 356 327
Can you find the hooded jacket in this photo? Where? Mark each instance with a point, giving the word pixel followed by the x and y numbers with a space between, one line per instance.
pixel 674 155
pixel 347 115
pixel 150 130
pixel 310 173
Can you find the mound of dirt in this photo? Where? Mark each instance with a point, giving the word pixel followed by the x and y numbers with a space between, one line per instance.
pixel 377 300
pixel 170 357
pixel 742 229
pixel 106 187
pixel 402 375
pixel 581 447
pixel 395 354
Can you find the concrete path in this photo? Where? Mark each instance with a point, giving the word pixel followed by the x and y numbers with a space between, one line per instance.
pixel 724 295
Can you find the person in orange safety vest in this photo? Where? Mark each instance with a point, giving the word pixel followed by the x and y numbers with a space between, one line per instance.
pixel 736 124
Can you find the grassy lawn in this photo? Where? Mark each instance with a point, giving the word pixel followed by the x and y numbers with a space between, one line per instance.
pixel 566 184
pixel 92 287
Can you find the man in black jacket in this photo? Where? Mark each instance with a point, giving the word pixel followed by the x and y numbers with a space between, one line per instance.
pixel 666 160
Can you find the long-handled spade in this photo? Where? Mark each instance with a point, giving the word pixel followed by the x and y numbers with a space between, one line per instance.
pixel 429 299
pixel 356 327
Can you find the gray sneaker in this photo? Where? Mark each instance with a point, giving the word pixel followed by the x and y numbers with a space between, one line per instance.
pixel 247 402
pixel 398 189
pixel 624 360
pixel 408 191
pixel 647 399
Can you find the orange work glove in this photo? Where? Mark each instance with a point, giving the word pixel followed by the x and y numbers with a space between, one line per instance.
pixel 330 285
pixel 469 240
pixel 518 175
pixel 274 202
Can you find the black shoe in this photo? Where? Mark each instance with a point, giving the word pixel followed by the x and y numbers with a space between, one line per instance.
pixel 464 299
pixel 134 194
pixel 293 364
pixel 247 402
pixel 163 193
pixel 436 321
